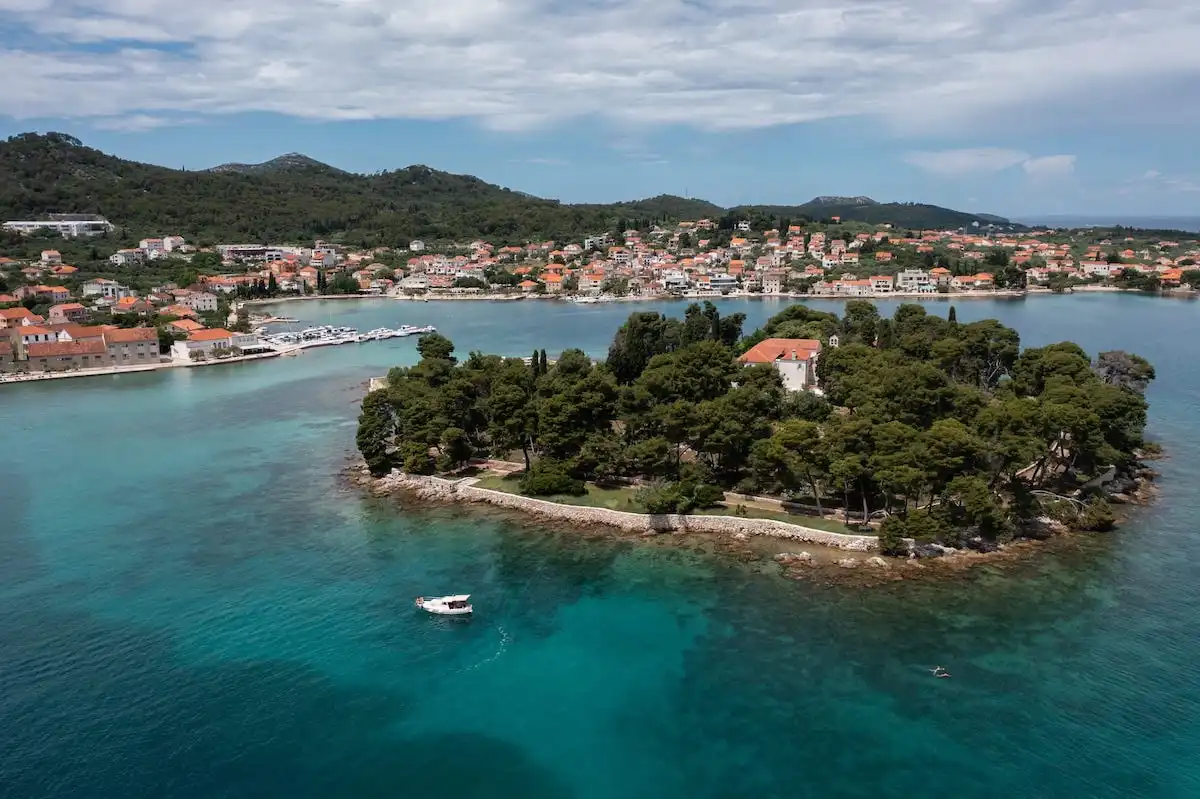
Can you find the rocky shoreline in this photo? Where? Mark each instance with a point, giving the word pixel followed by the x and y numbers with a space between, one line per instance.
pixel 832 558
pixel 442 490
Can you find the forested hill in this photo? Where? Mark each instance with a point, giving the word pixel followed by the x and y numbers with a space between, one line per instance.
pixel 294 197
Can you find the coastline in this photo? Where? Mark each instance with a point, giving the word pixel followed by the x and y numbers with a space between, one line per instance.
pixel 906 295
pixel 464 491
pixel 33 377
pixel 756 539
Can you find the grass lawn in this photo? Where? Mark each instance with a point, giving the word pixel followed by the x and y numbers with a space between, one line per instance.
pixel 596 497
pixel 815 522
pixel 622 499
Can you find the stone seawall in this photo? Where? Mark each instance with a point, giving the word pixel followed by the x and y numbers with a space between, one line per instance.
pixel 441 489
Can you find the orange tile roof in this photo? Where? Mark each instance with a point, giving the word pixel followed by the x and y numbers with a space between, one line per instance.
pixel 60 348
pixel 788 349
pixel 129 335
pixel 215 334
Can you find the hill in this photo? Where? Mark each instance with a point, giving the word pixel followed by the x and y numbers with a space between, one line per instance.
pixel 864 209
pixel 293 198
pixel 291 162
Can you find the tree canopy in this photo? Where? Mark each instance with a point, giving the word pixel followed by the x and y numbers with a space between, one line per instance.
pixel 946 430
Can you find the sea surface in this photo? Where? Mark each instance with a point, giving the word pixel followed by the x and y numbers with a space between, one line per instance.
pixel 1189 224
pixel 191 605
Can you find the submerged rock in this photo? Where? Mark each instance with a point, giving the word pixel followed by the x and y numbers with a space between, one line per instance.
pixel 928 551
pixel 794 558
pixel 877 562
pixel 849 563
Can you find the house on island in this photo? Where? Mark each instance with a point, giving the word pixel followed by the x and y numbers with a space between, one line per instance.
pixel 794 358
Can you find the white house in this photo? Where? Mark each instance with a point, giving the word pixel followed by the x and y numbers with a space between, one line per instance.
pixel 794 358
pixel 722 282
pixel 914 280
pixel 151 246
pixel 127 257
pixel 199 301
pixel 69 226
pixel 173 243
pixel 208 342
pixel 416 245
pixel 102 287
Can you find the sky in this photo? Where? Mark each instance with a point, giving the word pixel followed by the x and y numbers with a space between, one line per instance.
pixel 1013 107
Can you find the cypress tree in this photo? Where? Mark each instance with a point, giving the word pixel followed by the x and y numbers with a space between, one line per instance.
pixel 953 316
pixel 545 366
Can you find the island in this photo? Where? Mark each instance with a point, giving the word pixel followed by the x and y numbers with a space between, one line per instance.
pixel 913 436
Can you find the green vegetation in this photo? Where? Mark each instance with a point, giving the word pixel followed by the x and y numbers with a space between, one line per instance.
pixel 949 432
pixel 294 198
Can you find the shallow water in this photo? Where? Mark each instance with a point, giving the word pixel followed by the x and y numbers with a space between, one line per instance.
pixel 192 605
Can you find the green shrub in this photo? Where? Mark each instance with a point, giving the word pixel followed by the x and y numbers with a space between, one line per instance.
pixel 892 533
pixel 548 478
pixel 1097 516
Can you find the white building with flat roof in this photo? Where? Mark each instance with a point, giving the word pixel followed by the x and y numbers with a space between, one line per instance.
pixel 69 226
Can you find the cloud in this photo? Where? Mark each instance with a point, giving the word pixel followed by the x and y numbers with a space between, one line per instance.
pixel 1049 166
pixel 1151 174
pixel 542 161
pixel 917 65
pixel 134 122
pixel 973 161
pixel 968 161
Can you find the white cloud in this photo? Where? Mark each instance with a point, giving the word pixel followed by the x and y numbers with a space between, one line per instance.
pixel 1049 166
pixel 1151 174
pixel 919 65
pixel 973 161
pixel 968 161
pixel 134 122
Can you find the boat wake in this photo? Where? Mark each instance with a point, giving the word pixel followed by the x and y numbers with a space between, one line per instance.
pixel 504 640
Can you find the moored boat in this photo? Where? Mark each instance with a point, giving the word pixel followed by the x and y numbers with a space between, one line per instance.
pixel 456 605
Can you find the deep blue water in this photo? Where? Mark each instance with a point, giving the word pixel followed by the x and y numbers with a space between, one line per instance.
pixel 191 606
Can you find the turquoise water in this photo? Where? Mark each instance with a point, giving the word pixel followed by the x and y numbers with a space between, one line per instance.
pixel 192 606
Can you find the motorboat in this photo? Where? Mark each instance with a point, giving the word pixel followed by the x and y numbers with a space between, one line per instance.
pixel 446 605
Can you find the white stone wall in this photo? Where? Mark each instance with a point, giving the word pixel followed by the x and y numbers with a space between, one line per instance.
pixel 438 488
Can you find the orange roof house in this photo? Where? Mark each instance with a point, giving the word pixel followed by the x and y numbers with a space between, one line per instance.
pixel 185 326
pixel 179 310
pixel 794 358
pixel 215 334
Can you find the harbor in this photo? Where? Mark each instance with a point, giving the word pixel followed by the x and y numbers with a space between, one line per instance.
pixel 331 335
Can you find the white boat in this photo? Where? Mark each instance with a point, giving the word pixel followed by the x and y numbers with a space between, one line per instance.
pixel 446 605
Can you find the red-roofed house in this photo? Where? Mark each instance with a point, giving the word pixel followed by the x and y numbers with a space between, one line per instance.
pixel 60 356
pixel 67 312
pixel 185 326
pixel 16 317
pixel 794 358
pixel 133 345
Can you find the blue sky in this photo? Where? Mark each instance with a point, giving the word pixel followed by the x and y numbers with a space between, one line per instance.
pixel 1016 107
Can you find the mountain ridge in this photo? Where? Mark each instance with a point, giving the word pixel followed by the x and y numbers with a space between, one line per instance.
pixel 296 197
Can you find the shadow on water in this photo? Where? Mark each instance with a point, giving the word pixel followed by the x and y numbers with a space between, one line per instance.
pixel 144 725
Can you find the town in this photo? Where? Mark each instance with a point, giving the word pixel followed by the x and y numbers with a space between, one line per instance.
pixel 171 301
